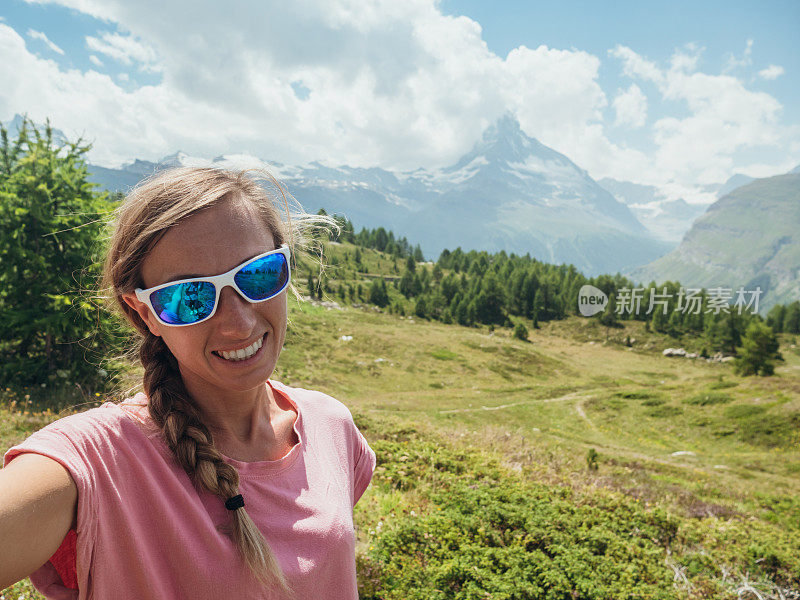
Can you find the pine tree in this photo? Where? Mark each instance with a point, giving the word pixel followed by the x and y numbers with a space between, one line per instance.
pixel 791 322
pixel 421 307
pixel 759 351
pixel 51 223
pixel 377 293
pixel 437 273
pixel 609 316
pixel 310 284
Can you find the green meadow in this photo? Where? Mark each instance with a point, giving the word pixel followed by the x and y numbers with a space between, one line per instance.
pixel 566 466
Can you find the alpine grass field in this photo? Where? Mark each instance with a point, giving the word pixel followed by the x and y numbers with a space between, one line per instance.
pixel 567 466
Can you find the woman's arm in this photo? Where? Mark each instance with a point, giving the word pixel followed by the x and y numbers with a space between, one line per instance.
pixel 38 506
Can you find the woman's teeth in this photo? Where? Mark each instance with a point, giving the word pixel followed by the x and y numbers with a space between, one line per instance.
pixel 242 353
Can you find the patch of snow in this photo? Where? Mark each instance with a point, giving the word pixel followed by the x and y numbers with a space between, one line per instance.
pixel 464 172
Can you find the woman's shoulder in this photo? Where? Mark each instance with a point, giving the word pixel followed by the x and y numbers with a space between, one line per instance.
pixel 83 437
pixel 108 415
pixel 314 404
pixel 104 422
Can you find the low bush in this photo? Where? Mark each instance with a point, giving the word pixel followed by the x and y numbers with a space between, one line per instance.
pixel 708 398
pixel 478 530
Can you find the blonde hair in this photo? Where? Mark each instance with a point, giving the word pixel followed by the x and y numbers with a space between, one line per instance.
pixel 155 205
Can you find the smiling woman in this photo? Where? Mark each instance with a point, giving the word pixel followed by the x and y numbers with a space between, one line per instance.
pixel 215 481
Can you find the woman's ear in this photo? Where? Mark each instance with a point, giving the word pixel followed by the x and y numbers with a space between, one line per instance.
pixel 143 311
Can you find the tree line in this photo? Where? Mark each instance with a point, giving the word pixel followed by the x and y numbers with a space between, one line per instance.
pixel 499 289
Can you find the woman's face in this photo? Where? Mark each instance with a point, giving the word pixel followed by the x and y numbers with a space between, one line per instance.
pixel 212 242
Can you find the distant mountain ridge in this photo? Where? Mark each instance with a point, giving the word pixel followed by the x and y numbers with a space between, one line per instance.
pixel 749 238
pixel 510 192
pixel 666 220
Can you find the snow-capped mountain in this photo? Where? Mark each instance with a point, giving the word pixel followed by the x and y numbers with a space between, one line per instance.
pixel 510 192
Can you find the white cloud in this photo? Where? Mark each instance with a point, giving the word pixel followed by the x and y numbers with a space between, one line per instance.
pixel 396 84
pixel 38 35
pixel 95 61
pixel 631 107
pixel 745 61
pixel 771 72
pixel 635 65
pixel 686 58
pixel 81 103
pixel 759 170
pixel 724 118
pixel 95 8
pixel 124 49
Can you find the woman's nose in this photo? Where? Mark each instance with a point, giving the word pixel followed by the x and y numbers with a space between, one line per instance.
pixel 235 315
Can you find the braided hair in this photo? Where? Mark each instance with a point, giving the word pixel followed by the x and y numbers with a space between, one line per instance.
pixel 149 210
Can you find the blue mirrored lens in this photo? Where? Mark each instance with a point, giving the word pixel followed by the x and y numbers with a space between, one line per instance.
pixel 264 277
pixel 184 303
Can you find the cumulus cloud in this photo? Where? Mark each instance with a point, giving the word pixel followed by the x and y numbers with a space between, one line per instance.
pixel 38 35
pixel 685 58
pixel 95 61
pixel 122 48
pixel 395 84
pixel 630 107
pixel 636 66
pixel 771 72
pixel 724 118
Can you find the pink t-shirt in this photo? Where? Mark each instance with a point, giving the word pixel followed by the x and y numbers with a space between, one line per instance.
pixel 144 531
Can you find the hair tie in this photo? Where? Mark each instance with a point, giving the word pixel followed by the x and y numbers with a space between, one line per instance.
pixel 234 502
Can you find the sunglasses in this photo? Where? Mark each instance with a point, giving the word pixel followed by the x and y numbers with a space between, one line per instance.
pixel 192 301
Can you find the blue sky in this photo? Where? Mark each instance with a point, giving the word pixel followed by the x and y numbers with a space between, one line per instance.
pixel 654 29
pixel 676 94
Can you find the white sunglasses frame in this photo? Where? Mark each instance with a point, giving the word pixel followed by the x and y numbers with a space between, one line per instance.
pixel 220 282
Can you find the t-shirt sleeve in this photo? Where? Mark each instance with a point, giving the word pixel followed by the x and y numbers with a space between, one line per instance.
pixel 68 442
pixel 53 443
pixel 365 461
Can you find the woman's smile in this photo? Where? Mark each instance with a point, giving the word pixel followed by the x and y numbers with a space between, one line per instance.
pixel 242 355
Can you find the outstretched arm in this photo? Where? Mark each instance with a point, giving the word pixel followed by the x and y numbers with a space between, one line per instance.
pixel 38 504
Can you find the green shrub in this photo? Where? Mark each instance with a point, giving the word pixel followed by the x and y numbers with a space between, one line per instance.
pixel 478 531
pixel 665 410
pixel 708 398
pixel 443 354
pixel 653 402
pixel 634 395
pixel 591 459
pixel 759 351
pixel 51 225
pixel 744 411
pixel 504 540
pixel 722 384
